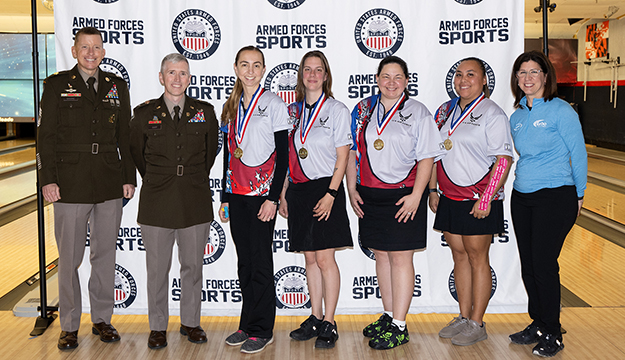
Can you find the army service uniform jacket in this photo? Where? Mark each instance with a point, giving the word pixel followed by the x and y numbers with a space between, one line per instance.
pixel 82 142
pixel 174 161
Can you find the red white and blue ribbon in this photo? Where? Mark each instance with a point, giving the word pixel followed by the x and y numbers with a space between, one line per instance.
pixel 380 125
pixel 306 124
pixel 464 114
pixel 241 125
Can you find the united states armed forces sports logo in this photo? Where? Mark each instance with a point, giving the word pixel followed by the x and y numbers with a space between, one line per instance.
pixel 115 67
pixel 125 288
pixel 291 288
pixel 195 34
pixel 286 4
pixel 216 243
pixel 452 284
pixel 379 33
pixel 106 1
pixel 449 79
pixel 282 81
pixel 468 2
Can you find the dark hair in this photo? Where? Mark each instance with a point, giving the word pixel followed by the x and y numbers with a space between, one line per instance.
pixel 394 60
pixel 551 85
pixel 480 62
pixel 89 30
pixel 327 84
pixel 230 107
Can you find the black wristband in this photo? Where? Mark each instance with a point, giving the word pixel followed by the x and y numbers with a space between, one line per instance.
pixel 580 198
pixel 432 190
pixel 332 192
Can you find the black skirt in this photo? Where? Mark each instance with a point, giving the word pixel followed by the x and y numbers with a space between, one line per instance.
pixel 306 232
pixel 380 230
pixel 453 216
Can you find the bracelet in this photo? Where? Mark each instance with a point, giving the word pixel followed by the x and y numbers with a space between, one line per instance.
pixel 333 192
pixel 432 190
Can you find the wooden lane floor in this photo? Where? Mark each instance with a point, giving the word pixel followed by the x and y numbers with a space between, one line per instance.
pixel 605 202
pixel 7 144
pixel 19 253
pixel 593 333
pixel 17 157
pixel 17 187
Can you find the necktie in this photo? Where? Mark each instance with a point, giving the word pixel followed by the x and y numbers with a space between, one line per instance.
pixel 176 114
pixel 91 82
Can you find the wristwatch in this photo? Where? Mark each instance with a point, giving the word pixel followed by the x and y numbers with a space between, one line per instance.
pixel 332 192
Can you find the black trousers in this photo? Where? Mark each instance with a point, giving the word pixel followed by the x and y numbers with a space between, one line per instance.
pixel 253 240
pixel 542 220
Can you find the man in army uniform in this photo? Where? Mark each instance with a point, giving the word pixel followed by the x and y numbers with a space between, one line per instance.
pixel 85 168
pixel 173 142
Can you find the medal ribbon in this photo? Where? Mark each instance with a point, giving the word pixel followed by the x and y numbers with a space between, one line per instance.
pixel 389 115
pixel 464 114
pixel 241 125
pixel 307 123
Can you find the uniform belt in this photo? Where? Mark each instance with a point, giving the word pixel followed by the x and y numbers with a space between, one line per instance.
pixel 178 170
pixel 94 148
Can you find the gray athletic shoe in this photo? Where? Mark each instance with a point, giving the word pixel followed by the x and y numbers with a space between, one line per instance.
pixel 236 338
pixel 453 328
pixel 470 334
pixel 254 344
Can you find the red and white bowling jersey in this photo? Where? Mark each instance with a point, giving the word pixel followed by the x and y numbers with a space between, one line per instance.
pixel 330 130
pixel 463 174
pixel 410 136
pixel 252 174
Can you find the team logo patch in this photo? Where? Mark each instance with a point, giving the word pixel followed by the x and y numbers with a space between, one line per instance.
pixel 379 33
pixel 282 81
pixel 115 67
pixel 449 79
pixel 368 253
pixel 468 2
pixel 216 243
pixel 106 1
pixel 125 288
pixel 291 288
pixel 540 123
pixel 195 34
pixel 286 4
pixel 452 284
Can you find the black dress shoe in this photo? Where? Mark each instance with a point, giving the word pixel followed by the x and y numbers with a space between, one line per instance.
pixel 106 331
pixel 68 340
pixel 194 334
pixel 157 339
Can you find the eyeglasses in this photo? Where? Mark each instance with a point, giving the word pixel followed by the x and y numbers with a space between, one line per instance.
pixel 532 73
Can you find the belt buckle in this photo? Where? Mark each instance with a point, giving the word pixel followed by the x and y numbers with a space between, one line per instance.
pixel 180 170
pixel 95 147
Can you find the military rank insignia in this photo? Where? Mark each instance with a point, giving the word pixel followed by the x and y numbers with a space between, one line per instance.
pixel 112 94
pixel 199 117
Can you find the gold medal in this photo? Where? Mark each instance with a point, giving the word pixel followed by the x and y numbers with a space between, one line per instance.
pixel 378 144
pixel 448 144
pixel 303 153
pixel 238 153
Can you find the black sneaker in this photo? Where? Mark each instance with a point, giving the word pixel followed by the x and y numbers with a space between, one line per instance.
pixel 377 326
pixel 548 345
pixel 328 336
pixel 309 329
pixel 529 335
pixel 390 338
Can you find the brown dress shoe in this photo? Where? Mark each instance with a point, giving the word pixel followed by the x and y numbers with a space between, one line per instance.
pixel 106 331
pixel 157 339
pixel 68 340
pixel 195 334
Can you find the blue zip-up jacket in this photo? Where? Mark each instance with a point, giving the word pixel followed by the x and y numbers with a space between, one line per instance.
pixel 550 144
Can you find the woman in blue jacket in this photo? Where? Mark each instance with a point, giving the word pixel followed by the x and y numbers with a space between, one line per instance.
pixel 549 185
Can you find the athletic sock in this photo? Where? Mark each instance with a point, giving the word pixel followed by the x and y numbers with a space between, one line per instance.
pixel 400 324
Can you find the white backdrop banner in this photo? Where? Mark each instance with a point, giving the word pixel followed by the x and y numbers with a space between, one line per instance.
pixel 431 35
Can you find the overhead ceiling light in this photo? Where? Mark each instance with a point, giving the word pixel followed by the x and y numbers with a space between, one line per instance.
pixel 611 11
pixel 48 4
